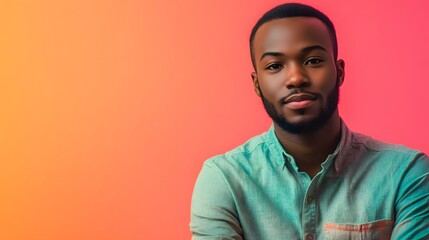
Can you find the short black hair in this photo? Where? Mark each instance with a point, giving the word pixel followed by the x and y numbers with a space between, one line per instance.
pixel 294 10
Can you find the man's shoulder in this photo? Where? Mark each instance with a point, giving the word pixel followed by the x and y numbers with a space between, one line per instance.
pixel 381 147
pixel 247 153
pixel 379 161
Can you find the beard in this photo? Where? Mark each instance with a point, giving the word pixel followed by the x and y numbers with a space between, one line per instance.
pixel 304 126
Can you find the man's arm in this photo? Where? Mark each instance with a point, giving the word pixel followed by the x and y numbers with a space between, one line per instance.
pixel 412 204
pixel 213 212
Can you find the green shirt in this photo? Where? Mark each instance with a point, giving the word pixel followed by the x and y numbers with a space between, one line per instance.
pixel 366 190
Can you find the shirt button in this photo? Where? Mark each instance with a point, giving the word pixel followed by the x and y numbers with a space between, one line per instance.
pixel 309 237
pixel 309 199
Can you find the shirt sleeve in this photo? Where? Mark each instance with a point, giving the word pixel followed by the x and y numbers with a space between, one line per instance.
pixel 412 202
pixel 213 212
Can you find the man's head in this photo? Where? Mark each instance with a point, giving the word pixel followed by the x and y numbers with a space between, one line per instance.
pixel 289 10
pixel 297 74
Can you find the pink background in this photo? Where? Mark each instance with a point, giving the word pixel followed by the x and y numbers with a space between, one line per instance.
pixel 109 108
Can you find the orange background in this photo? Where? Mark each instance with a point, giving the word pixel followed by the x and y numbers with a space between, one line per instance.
pixel 109 108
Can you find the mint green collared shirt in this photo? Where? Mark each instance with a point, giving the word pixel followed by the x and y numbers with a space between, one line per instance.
pixel 366 190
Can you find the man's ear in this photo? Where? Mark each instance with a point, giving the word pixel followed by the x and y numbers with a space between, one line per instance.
pixel 340 64
pixel 256 83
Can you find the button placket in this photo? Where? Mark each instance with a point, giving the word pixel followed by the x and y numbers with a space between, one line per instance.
pixel 309 237
pixel 309 211
pixel 309 199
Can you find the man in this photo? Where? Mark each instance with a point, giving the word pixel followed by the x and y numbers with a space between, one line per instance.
pixel 309 176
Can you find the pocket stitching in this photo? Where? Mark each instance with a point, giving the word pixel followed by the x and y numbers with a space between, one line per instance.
pixel 358 227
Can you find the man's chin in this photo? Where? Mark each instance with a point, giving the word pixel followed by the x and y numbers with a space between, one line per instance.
pixel 300 127
pixel 307 121
pixel 301 120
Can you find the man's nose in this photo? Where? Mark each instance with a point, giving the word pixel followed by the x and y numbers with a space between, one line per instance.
pixel 297 78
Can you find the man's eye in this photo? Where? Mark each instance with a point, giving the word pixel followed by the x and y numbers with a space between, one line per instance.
pixel 313 61
pixel 274 66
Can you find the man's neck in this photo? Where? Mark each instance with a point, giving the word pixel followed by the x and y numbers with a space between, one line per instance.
pixel 311 149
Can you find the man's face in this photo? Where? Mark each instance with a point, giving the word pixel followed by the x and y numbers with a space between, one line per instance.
pixel 296 75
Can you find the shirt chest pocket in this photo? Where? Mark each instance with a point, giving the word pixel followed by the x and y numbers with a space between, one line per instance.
pixel 381 229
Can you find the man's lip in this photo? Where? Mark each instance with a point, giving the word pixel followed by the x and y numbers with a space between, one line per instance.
pixel 298 97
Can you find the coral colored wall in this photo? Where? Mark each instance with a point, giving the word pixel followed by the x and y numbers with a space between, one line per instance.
pixel 109 108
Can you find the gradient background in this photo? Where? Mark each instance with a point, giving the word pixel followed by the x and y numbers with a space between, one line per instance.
pixel 109 108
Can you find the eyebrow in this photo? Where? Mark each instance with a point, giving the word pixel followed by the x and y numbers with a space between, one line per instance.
pixel 304 50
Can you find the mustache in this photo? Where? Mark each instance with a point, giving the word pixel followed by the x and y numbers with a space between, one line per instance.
pixel 300 91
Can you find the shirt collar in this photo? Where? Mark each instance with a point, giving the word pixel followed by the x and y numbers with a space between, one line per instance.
pixel 279 153
pixel 338 156
pixel 344 146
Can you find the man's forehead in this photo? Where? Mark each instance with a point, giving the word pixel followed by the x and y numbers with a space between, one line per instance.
pixel 295 30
